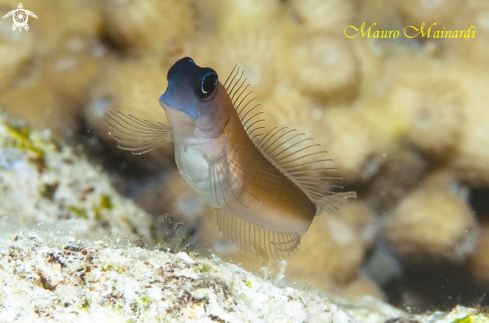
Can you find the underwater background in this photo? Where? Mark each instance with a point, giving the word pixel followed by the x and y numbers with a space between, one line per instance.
pixel 401 105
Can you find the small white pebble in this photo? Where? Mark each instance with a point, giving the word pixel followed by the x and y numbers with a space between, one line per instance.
pixel 185 257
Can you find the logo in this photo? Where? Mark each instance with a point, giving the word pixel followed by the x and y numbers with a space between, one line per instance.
pixel 20 16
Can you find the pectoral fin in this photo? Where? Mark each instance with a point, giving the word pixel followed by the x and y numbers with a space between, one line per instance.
pixel 137 135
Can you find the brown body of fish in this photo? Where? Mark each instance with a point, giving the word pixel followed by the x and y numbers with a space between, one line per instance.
pixel 266 187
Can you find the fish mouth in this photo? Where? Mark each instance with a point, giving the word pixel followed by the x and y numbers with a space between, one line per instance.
pixel 167 102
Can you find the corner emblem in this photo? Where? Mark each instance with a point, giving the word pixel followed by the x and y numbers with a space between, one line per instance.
pixel 20 17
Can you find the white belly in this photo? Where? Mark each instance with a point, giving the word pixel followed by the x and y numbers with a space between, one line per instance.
pixel 192 166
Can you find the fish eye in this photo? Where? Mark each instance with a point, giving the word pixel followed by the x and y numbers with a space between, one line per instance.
pixel 208 85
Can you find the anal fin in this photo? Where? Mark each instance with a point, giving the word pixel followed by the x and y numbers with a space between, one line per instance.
pixel 255 240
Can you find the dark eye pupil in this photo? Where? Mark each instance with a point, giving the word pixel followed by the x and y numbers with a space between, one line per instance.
pixel 209 83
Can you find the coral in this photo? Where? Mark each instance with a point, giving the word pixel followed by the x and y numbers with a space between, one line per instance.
pixel 471 160
pixel 431 225
pixel 232 16
pixel 48 73
pixel 479 259
pixel 381 12
pixel 195 45
pixel 40 106
pixel 52 93
pixel 430 104
pixel 475 13
pixel 16 52
pixel 360 217
pixel 321 65
pixel 352 138
pixel 146 26
pixel 69 73
pixel 254 52
pixel 69 21
pixel 395 173
pixel 361 287
pixel 332 249
pixel 323 15
pixel 284 106
pixel 441 12
pixel 439 118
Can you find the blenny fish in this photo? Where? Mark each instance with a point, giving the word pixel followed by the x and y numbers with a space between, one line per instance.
pixel 266 187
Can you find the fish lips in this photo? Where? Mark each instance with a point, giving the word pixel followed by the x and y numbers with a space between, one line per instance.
pixel 166 99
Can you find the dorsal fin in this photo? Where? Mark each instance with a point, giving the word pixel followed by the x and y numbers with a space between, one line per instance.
pixel 245 104
pixel 294 154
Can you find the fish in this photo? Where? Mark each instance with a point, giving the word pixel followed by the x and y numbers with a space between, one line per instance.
pixel 266 186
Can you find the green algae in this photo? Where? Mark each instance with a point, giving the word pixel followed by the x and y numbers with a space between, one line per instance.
pixel 466 319
pixel 86 305
pixel 24 138
pixel 202 268
pixel 81 213
pixel 105 203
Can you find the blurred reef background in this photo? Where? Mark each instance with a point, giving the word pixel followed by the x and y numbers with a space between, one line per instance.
pixel 405 119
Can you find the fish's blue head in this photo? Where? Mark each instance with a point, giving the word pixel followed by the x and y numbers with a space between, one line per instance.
pixel 195 102
pixel 191 88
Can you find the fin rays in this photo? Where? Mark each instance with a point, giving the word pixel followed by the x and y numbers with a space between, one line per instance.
pixel 137 135
pixel 294 154
pixel 238 91
pixel 255 240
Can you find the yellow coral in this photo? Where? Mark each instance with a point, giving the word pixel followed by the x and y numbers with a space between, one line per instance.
pixel 254 52
pixel 321 65
pixel 61 22
pixel 231 16
pixel 441 12
pixel 326 15
pixel 16 52
pixel 471 50
pixel 431 225
pixel 147 26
